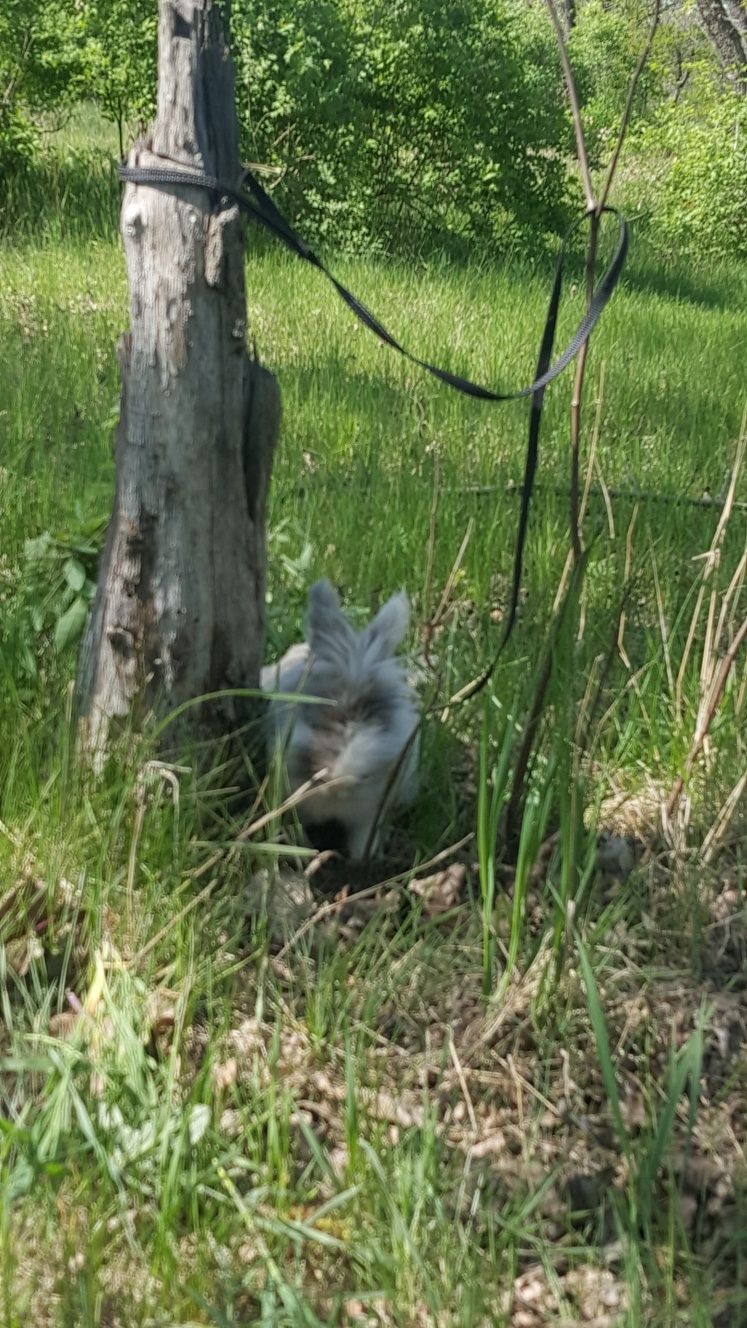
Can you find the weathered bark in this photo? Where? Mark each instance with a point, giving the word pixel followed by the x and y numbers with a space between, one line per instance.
pixel 725 21
pixel 179 609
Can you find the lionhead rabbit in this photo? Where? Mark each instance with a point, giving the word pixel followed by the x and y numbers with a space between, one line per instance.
pixel 361 744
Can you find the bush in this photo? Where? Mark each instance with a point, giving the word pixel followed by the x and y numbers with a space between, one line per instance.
pixel 118 60
pixel 605 46
pixel 387 126
pixel 39 69
pixel 403 125
pixel 690 182
pixel 406 123
pixel 18 140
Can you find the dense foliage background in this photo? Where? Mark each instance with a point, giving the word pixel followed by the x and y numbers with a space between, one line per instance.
pixel 420 122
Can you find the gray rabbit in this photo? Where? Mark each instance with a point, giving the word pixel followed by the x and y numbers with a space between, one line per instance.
pixel 351 745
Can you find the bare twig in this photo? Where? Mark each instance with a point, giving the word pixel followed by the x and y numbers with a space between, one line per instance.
pixel 626 578
pixel 440 613
pixel 463 1084
pixel 577 398
pixel 431 549
pixel 570 83
pixel 516 798
pixel 606 662
pixel 571 560
pixel 595 207
pixel 663 628
pixel 320 778
pixel 577 505
pixel 633 88
pixel 437 618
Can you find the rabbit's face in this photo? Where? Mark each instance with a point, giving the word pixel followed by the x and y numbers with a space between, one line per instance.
pixel 361 744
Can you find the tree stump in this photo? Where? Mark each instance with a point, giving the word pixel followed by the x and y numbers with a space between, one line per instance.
pixel 179 608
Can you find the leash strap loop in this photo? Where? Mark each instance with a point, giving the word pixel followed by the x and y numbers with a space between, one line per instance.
pixel 253 200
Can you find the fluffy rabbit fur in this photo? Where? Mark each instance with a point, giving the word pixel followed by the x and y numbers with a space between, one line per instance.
pixel 359 737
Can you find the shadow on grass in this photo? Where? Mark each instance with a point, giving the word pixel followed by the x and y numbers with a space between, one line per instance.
pixel 56 197
pixel 715 289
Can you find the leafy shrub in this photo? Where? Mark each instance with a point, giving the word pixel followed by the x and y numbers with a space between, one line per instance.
pixel 690 182
pixel 46 598
pixel 402 123
pixel 605 46
pixel 118 59
pixel 39 69
pixel 386 125
pixel 18 139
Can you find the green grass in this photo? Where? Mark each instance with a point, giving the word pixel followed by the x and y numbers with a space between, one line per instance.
pixel 391 1121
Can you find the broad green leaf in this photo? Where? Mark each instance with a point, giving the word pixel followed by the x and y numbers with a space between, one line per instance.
pixel 71 624
pixel 75 574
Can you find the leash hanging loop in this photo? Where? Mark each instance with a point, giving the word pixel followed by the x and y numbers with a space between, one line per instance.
pixel 256 203
pixel 261 208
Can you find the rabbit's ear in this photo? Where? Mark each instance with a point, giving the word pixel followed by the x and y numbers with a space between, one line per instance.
pixel 383 635
pixel 330 635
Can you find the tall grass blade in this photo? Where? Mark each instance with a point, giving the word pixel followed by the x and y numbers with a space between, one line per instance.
pixel 596 1014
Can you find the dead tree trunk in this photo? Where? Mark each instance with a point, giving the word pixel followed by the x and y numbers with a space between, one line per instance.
pixel 725 21
pixel 179 609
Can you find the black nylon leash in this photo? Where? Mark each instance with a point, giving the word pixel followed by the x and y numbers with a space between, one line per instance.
pixel 253 200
